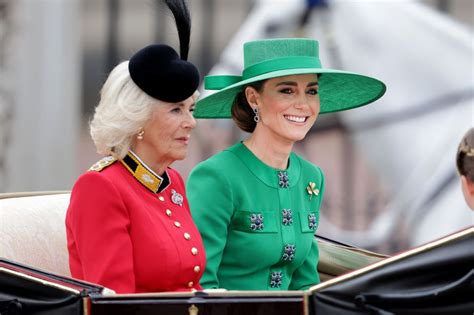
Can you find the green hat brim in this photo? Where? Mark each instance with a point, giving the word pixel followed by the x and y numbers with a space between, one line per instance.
pixel 338 91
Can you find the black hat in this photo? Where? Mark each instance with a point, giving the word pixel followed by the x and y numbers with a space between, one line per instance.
pixel 158 69
pixel 162 74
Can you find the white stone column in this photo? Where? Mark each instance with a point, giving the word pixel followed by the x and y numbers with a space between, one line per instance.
pixel 6 92
pixel 46 82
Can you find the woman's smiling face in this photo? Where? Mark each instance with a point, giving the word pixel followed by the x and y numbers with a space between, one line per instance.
pixel 288 106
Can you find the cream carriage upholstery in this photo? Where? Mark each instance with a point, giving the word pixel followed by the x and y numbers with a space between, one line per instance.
pixel 33 232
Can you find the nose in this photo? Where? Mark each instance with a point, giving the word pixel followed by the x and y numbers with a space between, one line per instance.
pixel 308 102
pixel 189 121
pixel 302 101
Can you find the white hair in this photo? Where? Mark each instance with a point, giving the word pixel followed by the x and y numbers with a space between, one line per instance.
pixel 123 109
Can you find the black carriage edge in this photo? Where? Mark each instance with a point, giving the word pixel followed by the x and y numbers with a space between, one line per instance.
pixel 435 278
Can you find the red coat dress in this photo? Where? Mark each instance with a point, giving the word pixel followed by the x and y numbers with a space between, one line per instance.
pixel 125 236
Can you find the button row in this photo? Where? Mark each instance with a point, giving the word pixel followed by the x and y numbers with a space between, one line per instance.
pixel 186 236
pixel 178 225
pixel 276 279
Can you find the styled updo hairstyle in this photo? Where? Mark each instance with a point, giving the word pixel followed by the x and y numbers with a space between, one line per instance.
pixel 465 156
pixel 241 110
pixel 123 109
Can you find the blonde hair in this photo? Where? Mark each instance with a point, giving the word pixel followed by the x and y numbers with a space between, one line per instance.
pixel 122 110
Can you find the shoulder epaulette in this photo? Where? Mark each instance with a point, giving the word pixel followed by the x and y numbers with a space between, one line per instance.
pixel 103 163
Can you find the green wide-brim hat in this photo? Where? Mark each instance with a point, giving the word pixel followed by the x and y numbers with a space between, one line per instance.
pixel 270 58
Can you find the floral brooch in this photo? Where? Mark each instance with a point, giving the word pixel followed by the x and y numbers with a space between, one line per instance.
pixel 312 190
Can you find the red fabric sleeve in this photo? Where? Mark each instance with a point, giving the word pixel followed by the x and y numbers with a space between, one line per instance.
pixel 99 225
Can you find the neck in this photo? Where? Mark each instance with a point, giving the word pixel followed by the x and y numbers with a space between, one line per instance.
pixel 269 149
pixel 156 165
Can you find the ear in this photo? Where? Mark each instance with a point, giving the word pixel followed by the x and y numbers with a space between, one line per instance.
pixel 252 96
pixel 468 185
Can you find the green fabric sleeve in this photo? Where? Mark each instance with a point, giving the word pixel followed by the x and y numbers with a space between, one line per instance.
pixel 304 277
pixel 210 200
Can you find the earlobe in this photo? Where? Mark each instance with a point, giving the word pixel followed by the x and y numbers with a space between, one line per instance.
pixel 468 185
pixel 251 96
pixel 468 191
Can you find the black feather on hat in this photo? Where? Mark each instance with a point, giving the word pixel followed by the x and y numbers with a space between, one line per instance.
pixel 158 69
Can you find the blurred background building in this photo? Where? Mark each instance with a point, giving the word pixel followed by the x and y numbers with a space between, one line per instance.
pixel 390 171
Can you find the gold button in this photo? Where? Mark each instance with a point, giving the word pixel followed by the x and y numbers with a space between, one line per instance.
pixel 168 212
pixel 177 224
pixel 197 269
pixel 190 284
pixel 187 236
pixel 161 198
pixel 194 250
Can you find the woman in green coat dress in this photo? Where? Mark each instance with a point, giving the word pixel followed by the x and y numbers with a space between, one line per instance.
pixel 256 204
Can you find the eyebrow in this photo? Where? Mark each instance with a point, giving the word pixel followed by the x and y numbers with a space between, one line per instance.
pixel 292 83
pixel 183 105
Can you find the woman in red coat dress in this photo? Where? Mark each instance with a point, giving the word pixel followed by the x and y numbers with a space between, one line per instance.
pixel 128 224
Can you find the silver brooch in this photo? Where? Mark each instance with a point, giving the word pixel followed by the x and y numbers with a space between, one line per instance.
pixel 276 279
pixel 283 180
pixel 256 222
pixel 289 252
pixel 287 217
pixel 176 197
pixel 312 221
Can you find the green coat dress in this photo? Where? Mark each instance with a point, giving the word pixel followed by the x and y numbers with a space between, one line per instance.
pixel 257 222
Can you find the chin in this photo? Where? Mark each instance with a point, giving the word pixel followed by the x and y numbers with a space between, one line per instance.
pixel 180 156
pixel 297 137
